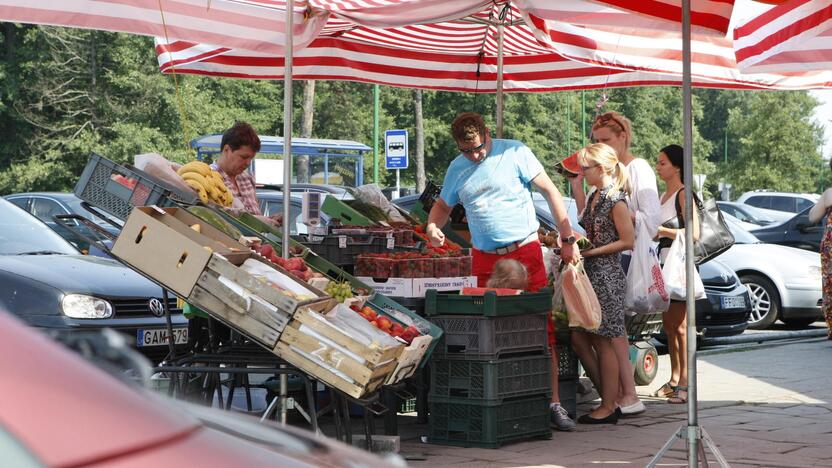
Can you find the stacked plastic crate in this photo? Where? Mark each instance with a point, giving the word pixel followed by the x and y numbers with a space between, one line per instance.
pixel 490 376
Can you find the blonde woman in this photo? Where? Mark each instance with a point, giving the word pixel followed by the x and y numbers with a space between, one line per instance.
pixel 609 227
pixel 615 130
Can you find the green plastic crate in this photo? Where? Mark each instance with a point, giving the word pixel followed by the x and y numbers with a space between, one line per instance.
pixel 385 305
pixel 489 304
pixel 336 208
pixel 331 271
pixel 479 338
pixel 491 380
pixel 466 423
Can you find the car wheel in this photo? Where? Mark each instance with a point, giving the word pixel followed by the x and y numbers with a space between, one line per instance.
pixel 801 322
pixel 765 301
pixel 646 365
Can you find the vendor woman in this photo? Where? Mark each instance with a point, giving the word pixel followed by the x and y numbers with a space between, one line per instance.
pixel 238 147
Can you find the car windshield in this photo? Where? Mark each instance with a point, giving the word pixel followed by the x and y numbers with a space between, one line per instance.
pixel 756 214
pixel 78 208
pixel 741 235
pixel 22 234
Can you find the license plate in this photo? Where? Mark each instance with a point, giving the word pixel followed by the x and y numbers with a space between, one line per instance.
pixel 734 302
pixel 159 337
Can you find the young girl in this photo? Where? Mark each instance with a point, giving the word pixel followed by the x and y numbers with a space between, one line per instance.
pixel 669 167
pixel 606 219
pixel 615 130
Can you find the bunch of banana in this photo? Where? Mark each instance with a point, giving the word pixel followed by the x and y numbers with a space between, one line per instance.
pixel 206 182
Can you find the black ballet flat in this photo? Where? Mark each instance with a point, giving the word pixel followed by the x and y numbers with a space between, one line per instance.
pixel 611 419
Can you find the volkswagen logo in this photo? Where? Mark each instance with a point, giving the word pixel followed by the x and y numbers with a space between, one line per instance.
pixel 156 307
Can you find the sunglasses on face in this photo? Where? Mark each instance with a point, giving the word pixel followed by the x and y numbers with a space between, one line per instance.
pixel 471 150
pixel 586 168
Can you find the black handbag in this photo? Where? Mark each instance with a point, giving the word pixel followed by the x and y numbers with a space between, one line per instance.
pixel 714 235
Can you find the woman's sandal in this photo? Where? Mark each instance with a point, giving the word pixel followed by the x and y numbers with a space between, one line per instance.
pixel 680 396
pixel 665 391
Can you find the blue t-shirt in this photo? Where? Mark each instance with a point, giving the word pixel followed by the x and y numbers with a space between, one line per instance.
pixel 495 193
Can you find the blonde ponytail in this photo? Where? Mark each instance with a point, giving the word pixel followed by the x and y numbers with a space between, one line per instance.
pixel 622 180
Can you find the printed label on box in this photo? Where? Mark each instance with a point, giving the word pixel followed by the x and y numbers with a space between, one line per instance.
pixel 397 287
pixel 421 285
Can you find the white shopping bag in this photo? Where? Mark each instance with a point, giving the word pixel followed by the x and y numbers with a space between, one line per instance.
pixel 674 272
pixel 646 292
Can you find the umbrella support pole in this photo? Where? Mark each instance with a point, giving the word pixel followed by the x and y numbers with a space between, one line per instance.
pixel 692 432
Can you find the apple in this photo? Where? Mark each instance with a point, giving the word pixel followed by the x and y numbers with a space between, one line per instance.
pixel 267 251
pixel 384 323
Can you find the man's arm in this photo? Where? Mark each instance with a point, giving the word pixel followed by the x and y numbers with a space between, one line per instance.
pixel 553 197
pixel 438 216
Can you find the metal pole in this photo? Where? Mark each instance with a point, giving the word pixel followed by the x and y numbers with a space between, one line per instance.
pixel 287 163
pixel 398 189
pixel 499 80
pixel 583 117
pixel 725 155
pixel 568 123
pixel 375 133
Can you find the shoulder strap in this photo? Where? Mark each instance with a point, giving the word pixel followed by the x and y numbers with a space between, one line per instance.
pixel 679 218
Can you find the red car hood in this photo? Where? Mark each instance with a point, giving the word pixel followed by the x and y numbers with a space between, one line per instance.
pixel 68 412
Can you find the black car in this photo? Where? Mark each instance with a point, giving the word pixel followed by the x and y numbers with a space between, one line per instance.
pixel 45 205
pixel 796 232
pixel 49 284
pixel 723 312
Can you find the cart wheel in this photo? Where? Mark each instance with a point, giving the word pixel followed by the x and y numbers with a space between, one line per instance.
pixel 646 365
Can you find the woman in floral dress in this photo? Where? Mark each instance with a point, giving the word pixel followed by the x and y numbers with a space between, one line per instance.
pixel 818 212
pixel 606 219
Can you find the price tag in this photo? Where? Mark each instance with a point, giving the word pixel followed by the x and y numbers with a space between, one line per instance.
pixel 391 242
pixel 342 242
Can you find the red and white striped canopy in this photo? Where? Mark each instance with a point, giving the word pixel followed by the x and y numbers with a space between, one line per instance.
pixel 794 36
pixel 435 44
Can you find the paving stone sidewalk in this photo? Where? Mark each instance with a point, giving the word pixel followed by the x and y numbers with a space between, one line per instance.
pixel 764 406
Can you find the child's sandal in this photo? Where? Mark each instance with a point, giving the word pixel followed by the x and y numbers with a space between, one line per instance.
pixel 665 391
pixel 680 396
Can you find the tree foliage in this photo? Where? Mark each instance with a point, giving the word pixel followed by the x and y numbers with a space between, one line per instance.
pixel 65 93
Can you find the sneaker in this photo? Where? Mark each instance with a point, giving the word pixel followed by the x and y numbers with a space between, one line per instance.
pixel 561 420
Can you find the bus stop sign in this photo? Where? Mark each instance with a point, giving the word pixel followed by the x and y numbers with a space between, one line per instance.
pixel 395 149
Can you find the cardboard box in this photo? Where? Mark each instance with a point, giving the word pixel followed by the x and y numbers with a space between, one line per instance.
pixel 417 287
pixel 160 243
pixel 396 287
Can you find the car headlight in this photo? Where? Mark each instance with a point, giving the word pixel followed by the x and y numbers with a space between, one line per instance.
pixel 815 273
pixel 86 307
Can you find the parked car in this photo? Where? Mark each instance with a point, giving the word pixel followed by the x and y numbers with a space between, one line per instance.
pixel 745 226
pixel 45 205
pixel 723 312
pixel 49 284
pixel 746 213
pixel 783 282
pixel 271 203
pixel 60 410
pixel 797 231
pixel 779 201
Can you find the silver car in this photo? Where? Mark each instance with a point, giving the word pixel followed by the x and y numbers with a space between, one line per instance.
pixel 784 282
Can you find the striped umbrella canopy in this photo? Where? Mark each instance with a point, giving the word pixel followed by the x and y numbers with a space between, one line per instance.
pixel 794 36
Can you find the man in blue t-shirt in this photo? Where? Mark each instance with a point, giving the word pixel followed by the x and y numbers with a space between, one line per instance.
pixel 492 180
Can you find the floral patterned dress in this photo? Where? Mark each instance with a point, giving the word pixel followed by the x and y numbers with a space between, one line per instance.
pixel 605 271
pixel 826 268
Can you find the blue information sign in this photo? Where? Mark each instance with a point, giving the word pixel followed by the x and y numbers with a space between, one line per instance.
pixel 395 149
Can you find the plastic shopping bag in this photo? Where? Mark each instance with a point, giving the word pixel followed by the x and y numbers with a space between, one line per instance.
pixel 646 292
pixel 582 304
pixel 674 272
pixel 156 165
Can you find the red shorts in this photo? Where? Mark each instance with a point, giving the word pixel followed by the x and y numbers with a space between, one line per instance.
pixel 530 255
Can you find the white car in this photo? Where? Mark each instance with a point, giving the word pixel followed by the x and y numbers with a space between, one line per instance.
pixel 784 282
pixel 779 205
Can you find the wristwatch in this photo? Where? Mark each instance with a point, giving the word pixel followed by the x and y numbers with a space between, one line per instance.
pixel 569 240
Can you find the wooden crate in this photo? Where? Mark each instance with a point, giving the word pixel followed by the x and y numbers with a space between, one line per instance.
pixel 331 354
pixel 249 304
pixel 410 359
